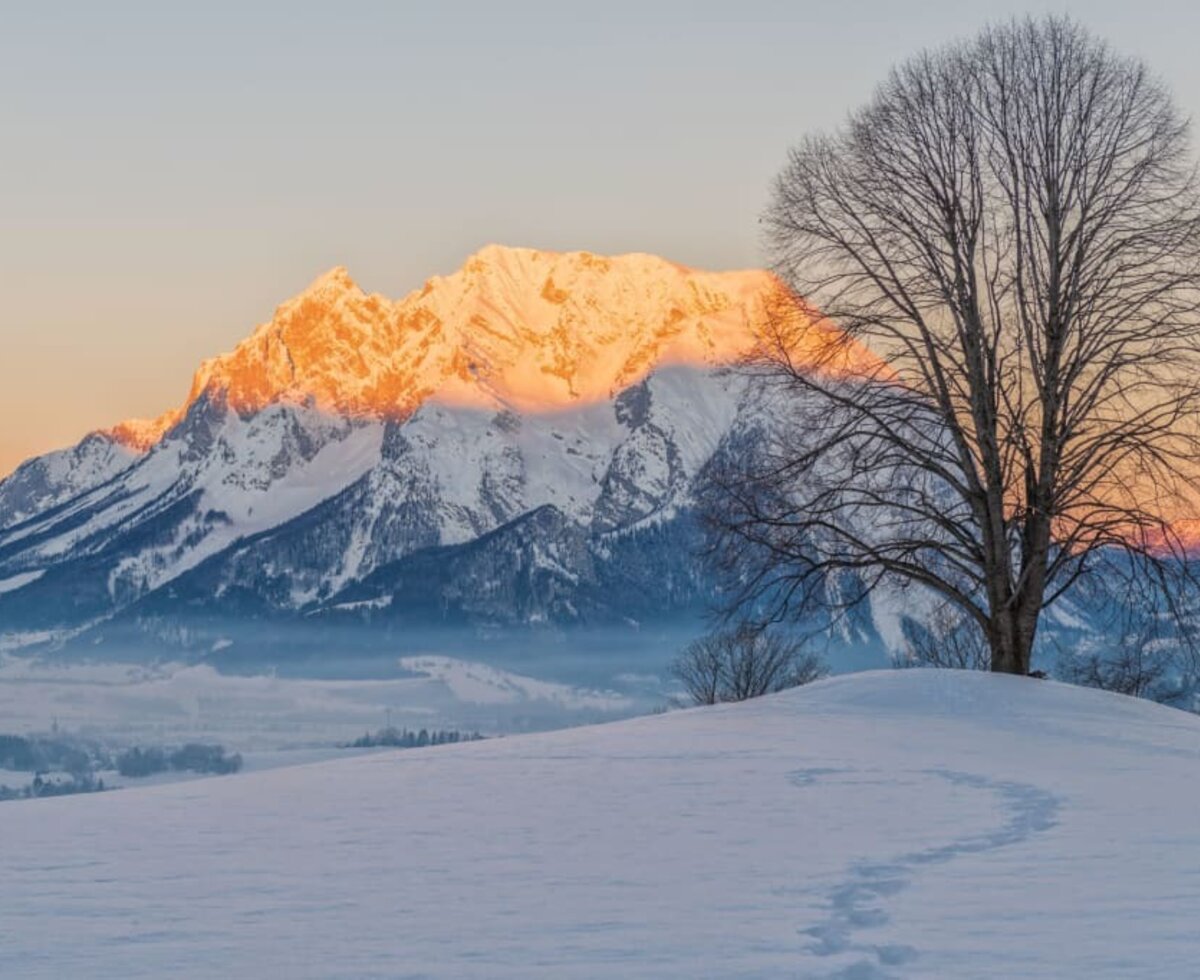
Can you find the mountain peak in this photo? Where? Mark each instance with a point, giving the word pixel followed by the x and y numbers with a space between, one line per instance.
pixel 335 281
pixel 512 328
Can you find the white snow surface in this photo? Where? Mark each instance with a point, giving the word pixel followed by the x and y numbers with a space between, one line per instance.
pixel 172 702
pixel 61 475
pixel 20 580
pixel 477 683
pixel 560 457
pixel 239 483
pixel 890 824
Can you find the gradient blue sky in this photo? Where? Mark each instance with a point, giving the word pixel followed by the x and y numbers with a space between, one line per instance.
pixel 170 172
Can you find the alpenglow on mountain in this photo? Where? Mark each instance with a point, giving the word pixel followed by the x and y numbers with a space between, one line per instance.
pixel 514 444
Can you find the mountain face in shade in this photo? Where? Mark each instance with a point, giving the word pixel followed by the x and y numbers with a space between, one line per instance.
pixel 517 443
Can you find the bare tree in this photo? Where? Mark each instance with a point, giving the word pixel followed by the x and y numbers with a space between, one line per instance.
pixel 999 393
pixel 744 663
pixel 700 668
pixel 1142 655
pixel 949 640
pixel 1140 665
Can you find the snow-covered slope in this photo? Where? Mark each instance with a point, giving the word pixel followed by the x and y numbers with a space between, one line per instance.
pixel 215 478
pixel 44 482
pixel 900 824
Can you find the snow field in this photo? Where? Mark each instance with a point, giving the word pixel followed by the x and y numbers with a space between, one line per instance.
pixel 890 824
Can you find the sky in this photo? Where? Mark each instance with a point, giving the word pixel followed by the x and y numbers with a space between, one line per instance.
pixel 169 173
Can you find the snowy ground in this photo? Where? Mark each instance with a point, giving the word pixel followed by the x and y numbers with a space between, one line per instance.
pixel 890 824
pixel 140 704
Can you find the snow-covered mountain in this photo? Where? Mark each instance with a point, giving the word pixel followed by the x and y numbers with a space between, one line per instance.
pixel 512 444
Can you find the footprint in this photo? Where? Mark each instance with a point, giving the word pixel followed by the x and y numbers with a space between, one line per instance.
pixel 859 902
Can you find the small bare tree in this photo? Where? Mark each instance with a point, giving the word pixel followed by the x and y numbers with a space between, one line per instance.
pixel 948 640
pixel 1143 657
pixel 740 664
pixel 1136 666
pixel 1000 393
pixel 700 668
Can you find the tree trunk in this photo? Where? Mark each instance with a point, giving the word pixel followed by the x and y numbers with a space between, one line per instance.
pixel 1010 659
pixel 1005 656
pixel 1011 640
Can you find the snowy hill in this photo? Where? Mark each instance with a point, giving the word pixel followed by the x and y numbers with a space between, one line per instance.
pixel 899 824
